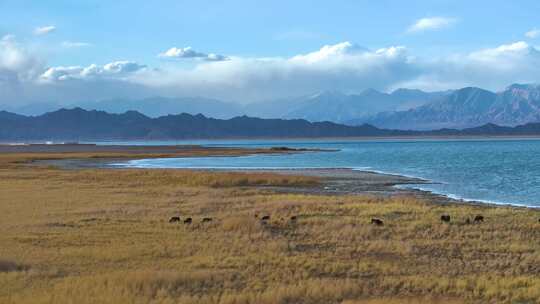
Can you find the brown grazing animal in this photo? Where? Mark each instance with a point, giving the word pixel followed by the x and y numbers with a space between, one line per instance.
pixel 478 219
pixel 445 218
pixel 265 218
pixel 188 220
pixel 377 222
pixel 294 218
pixel 174 219
pixel 206 219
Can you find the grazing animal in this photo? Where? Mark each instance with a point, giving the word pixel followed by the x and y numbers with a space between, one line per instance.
pixel 174 219
pixel 188 220
pixel 445 218
pixel 256 215
pixel 468 221
pixel 265 218
pixel 478 219
pixel 293 218
pixel 206 219
pixel 377 222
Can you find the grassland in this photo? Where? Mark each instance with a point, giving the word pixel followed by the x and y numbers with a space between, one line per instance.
pixel 103 236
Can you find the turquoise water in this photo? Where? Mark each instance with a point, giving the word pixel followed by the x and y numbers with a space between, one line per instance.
pixel 496 171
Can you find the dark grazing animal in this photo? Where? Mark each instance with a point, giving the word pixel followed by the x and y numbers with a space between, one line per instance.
pixel 265 218
pixel 445 218
pixel 206 219
pixel 377 222
pixel 294 218
pixel 478 219
pixel 188 220
pixel 174 219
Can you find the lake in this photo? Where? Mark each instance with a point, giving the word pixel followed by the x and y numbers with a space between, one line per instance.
pixel 505 171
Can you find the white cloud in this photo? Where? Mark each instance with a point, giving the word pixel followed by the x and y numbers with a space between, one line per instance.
pixel 534 33
pixel 505 51
pixel 75 44
pixel 116 70
pixel 17 68
pixel 348 67
pixel 329 52
pixel 44 30
pixel 189 52
pixel 122 67
pixel 343 66
pixel 492 68
pixel 432 23
pixel 16 60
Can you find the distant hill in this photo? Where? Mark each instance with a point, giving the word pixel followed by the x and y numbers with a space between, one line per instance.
pixel 467 107
pixel 339 107
pixel 326 106
pixel 79 124
pixel 160 106
pixel 33 109
pixel 152 107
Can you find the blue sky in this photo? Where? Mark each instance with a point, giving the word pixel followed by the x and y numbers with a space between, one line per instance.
pixel 441 44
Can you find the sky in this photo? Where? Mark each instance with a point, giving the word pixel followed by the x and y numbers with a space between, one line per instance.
pixel 248 51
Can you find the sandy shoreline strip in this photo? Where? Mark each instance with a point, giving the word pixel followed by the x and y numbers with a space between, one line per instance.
pixel 335 181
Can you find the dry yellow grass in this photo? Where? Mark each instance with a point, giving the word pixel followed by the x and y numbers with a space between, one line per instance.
pixel 102 236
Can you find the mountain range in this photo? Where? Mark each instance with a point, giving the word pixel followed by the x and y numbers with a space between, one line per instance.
pixel 82 125
pixel 468 107
pixel 79 124
pixel 404 109
pixel 325 106
pixel 338 107
pixel 152 107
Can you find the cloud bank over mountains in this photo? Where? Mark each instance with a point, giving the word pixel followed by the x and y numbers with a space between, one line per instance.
pixel 26 77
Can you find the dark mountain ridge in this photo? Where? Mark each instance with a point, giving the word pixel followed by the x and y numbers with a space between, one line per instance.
pixel 81 125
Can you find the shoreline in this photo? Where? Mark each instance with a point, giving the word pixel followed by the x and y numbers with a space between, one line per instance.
pixel 193 141
pixel 366 182
pixel 335 181
pixel 355 181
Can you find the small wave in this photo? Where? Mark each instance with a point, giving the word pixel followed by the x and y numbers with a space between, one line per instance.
pixel 142 165
pixel 466 199
pixel 369 169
